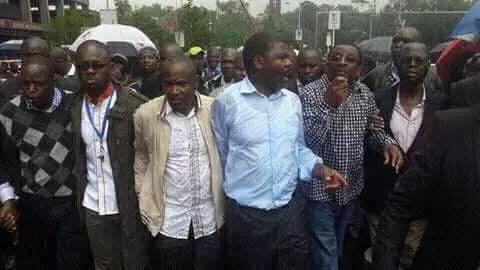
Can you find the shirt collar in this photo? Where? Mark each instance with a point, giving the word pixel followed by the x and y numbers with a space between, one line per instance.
pixel 247 87
pixel 56 100
pixel 299 84
pixel 104 95
pixel 424 96
pixel 199 105
pixel 394 74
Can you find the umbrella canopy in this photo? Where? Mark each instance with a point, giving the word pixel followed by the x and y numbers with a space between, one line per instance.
pixel 453 55
pixel 114 35
pixel 469 26
pixel 440 47
pixel 376 45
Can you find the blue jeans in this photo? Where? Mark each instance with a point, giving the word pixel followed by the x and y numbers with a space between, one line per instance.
pixel 327 223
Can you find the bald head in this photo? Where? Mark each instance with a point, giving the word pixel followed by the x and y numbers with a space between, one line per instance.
pixel 413 64
pixel 37 81
pixel 228 64
pixel 169 51
pixel 309 54
pixel 38 61
pixel 240 71
pixel 93 63
pixel 419 47
pixel 34 46
pixel 179 84
pixel 94 45
pixel 61 61
pixel 185 62
pixel 214 55
pixel 403 36
pixel 310 66
pixel 229 54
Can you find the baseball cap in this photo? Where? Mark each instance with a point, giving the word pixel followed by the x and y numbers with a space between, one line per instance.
pixel 195 51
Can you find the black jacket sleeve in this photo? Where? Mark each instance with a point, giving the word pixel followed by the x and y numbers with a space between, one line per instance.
pixel 411 198
pixel 9 159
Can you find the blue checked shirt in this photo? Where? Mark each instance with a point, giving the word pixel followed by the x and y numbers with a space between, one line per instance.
pixel 338 136
pixel 261 144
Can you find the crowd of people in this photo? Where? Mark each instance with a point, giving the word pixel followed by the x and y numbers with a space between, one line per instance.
pixel 223 158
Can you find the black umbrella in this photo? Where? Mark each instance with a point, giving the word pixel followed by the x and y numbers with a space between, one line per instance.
pixel 440 47
pixel 376 45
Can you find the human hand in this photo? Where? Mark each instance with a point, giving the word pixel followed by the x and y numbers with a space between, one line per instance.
pixel 394 155
pixel 9 216
pixel 338 91
pixel 332 178
pixel 376 121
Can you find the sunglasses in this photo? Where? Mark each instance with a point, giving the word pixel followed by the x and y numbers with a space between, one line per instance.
pixel 94 66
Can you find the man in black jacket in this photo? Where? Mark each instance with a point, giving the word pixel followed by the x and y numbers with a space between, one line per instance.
pixel 442 183
pixel 407 108
pixel 102 123
pixel 31 47
pixel 465 93
pixel 387 75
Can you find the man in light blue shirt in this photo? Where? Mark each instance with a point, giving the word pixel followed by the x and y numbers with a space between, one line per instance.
pixel 259 130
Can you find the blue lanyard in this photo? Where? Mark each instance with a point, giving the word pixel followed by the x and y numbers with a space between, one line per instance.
pixel 104 123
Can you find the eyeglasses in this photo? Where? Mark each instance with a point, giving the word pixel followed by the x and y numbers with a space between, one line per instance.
pixel 94 66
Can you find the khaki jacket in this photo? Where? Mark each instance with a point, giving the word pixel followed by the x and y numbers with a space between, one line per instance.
pixel 152 140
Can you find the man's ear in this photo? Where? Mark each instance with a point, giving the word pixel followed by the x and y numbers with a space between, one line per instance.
pixel 259 62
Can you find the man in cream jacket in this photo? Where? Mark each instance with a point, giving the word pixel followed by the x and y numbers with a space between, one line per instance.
pixel 178 173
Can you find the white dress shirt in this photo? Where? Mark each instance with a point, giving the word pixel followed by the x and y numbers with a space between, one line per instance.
pixel 187 191
pixel 6 192
pixel 404 127
pixel 100 192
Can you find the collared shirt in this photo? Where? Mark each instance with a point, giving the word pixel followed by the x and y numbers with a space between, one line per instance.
pixel 215 93
pixel 100 191
pixel 394 77
pixel 71 71
pixel 6 192
pixel 337 135
pixel 300 87
pixel 405 127
pixel 187 191
pixel 261 145
pixel 56 100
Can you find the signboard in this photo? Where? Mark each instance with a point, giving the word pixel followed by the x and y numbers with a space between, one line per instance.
pixel 298 35
pixel 329 39
pixel 334 20
pixel 108 16
pixel 180 39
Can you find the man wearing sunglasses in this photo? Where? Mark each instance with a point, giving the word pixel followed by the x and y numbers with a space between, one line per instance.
pixel 103 123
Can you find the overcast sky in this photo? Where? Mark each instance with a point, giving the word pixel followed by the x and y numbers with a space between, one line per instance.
pixel 256 6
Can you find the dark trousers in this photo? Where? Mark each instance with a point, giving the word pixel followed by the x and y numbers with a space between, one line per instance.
pixel 204 253
pixel 105 234
pixel 50 235
pixel 267 239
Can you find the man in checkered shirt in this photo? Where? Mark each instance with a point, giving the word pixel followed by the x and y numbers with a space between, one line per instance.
pixel 37 125
pixel 336 111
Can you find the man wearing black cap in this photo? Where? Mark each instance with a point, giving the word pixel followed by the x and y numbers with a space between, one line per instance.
pixel 151 78
pixel 121 69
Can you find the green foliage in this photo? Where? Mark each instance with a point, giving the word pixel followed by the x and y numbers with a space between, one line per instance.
pixel 65 29
pixel 356 25
pixel 194 22
pixel 123 8
pixel 148 25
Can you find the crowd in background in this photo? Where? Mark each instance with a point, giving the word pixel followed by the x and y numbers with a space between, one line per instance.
pixel 252 158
